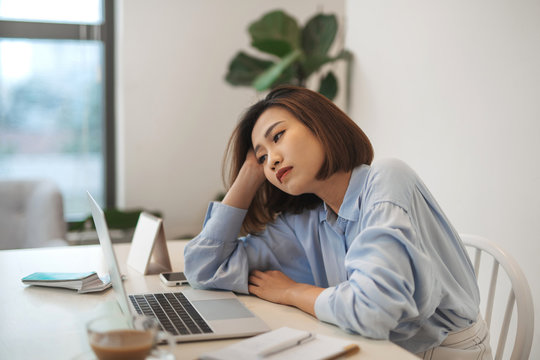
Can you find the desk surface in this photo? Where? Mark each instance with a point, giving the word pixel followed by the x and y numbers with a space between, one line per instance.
pixel 49 323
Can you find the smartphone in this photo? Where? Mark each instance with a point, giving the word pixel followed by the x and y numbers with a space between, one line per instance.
pixel 173 278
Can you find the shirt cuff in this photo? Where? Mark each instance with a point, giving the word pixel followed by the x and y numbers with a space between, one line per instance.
pixel 323 309
pixel 223 221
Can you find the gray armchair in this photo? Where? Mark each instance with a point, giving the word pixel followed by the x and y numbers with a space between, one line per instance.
pixel 31 214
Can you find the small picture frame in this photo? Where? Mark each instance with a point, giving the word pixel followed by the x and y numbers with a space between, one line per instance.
pixel 148 253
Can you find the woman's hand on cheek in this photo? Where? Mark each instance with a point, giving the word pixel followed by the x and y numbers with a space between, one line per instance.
pixel 254 168
pixel 249 180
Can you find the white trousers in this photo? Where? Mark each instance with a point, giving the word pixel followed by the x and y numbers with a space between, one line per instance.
pixel 471 343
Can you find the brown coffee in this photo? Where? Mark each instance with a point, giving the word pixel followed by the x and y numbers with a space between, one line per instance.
pixel 122 344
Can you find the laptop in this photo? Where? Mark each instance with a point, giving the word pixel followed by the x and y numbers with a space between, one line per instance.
pixel 188 315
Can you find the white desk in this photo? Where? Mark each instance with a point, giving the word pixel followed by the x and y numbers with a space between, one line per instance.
pixel 49 323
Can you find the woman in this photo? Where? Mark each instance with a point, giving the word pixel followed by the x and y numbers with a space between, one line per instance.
pixel 362 246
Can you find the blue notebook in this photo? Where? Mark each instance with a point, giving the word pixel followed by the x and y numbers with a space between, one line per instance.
pixel 82 282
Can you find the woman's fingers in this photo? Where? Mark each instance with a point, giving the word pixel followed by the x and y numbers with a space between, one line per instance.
pixel 254 279
pixel 253 289
pixel 255 282
pixel 257 273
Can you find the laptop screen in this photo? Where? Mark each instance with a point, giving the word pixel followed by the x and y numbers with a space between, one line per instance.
pixel 108 251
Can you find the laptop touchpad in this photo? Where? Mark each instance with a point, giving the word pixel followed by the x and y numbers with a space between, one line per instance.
pixel 222 309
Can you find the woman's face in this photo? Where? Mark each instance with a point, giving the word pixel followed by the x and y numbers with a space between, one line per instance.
pixel 289 152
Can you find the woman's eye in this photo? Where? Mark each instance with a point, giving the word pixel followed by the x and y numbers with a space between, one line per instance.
pixel 278 135
pixel 261 159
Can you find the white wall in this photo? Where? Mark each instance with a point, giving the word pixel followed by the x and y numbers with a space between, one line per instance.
pixel 453 88
pixel 175 111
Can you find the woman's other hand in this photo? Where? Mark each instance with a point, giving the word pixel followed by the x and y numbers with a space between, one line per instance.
pixel 275 286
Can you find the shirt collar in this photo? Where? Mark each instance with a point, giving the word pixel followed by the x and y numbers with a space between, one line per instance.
pixel 350 208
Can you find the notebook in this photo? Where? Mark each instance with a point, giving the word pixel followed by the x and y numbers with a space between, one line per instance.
pixel 285 344
pixel 187 315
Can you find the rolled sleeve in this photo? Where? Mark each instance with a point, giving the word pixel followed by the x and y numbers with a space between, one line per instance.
pixel 323 309
pixel 379 291
pixel 222 222
pixel 214 258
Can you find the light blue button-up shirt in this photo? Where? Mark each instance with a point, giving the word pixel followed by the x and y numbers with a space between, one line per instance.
pixel 392 264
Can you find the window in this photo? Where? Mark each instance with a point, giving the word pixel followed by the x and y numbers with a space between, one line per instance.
pixel 56 97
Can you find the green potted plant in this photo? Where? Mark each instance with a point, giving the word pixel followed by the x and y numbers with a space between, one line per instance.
pixel 296 53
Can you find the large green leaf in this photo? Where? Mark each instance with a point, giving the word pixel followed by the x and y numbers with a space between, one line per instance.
pixel 317 38
pixel 329 86
pixel 312 64
pixel 243 69
pixel 275 33
pixel 270 76
pixel 319 34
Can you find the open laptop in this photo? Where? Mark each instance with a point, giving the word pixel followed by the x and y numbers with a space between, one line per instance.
pixel 187 315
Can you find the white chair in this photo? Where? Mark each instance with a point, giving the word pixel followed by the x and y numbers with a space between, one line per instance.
pixel 31 214
pixel 519 294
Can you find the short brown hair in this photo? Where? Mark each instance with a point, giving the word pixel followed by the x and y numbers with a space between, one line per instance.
pixel 346 146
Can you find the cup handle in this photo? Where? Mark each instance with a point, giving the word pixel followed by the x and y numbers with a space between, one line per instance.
pixel 160 353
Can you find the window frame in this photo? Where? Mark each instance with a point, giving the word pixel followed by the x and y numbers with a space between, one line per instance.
pixel 105 33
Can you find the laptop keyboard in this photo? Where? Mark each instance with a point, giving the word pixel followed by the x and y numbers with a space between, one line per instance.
pixel 173 310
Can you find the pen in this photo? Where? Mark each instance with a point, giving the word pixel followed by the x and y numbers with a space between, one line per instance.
pixel 285 345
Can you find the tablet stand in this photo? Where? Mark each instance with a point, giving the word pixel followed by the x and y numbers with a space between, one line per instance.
pixel 148 253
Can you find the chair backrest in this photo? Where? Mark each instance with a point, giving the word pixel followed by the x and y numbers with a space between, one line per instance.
pixel 519 294
pixel 31 214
